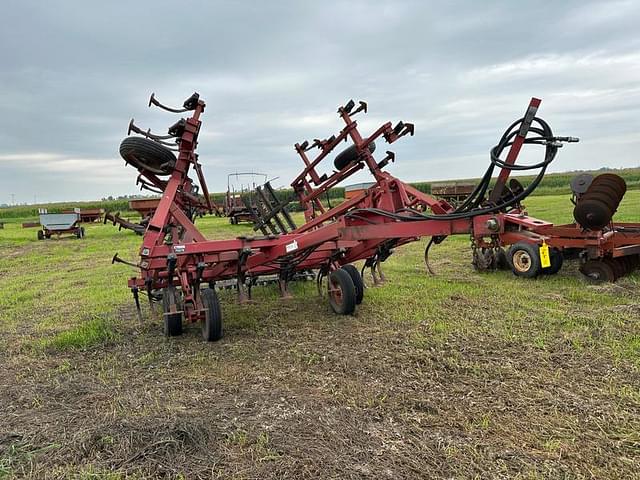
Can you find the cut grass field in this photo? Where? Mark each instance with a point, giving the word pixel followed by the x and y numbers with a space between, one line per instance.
pixel 458 375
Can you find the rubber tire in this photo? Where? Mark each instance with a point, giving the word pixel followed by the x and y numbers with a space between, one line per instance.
pixel 557 259
pixel 501 261
pixel 172 324
pixel 534 254
pixel 342 280
pixel 80 233
pixel 146 154
pixel 212 324
pixel 40 235
pixel 349 155
pixel 357 281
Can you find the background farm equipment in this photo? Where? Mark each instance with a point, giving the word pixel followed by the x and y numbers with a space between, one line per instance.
pixel 59 224
pixel 240 199
pixel 144 206
pixel 180 267
pixel 356 189
pixel 127 224
pixel 453 192
pixel 87 215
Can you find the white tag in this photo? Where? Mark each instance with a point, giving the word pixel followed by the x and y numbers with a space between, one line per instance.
pixel 179 248
pixel 290 247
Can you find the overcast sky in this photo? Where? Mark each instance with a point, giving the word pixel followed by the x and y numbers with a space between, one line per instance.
pixel 73 73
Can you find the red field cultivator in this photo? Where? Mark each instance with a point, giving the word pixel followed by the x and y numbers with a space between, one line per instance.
pixel 180 267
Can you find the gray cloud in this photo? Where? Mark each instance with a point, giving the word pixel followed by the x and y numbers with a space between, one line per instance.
pixel 273 73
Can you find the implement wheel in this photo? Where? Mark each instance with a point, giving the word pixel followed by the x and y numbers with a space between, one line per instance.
pixel 172 325
pixel 357 281
pixel 557 259
pixel 524 260
pixel 350 155
pixel 145 154
pixel 501 262
pixel 40 235
pixel 212 323
pixel 342 292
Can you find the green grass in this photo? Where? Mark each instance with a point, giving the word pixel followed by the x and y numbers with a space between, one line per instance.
pixel 88 334
pixel 69 293
pixel 471 358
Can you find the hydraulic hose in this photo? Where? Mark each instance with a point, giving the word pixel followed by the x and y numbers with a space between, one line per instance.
pixel 475 203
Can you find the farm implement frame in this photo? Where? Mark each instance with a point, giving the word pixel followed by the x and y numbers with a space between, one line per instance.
pixel 180 267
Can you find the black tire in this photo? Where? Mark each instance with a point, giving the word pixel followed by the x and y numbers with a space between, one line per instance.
pixel 80 232
pixel 357 281
pixel 342 292
pixel 524 260
pixel 212 323
pixel 501 261
pixel 557 259
pixel 349 155
pixel 40 235
pixel 172 325
pixel 145 154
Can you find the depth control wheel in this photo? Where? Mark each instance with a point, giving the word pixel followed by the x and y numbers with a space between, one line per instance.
pixel 501 261
pixel 212 323
pixel 524 260
pixel 557 259
pixel 342 292
pixel 357 281
pixel 172 311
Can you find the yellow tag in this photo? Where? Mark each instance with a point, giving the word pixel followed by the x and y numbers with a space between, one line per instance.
pixel 545 260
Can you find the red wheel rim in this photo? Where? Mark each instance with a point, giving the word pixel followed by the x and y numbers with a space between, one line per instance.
pixel 335 292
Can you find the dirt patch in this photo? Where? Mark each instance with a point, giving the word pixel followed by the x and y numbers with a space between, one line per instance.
pixel 351 399
pixel 16 251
